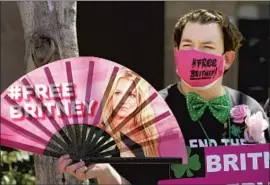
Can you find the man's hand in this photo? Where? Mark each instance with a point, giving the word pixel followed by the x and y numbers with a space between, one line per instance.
pixel 104 173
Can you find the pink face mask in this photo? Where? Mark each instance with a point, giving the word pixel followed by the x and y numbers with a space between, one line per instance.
pixel 198 69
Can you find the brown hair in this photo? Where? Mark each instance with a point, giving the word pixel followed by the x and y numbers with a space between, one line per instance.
pixel 231 35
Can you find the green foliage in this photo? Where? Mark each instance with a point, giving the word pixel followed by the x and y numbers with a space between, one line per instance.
pixel 17 168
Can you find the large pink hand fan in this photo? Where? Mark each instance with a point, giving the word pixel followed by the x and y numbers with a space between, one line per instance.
pixel 93 109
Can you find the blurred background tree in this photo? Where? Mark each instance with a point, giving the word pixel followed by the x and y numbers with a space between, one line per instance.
pixel 50 34
pixel 16 167
pixel 49 29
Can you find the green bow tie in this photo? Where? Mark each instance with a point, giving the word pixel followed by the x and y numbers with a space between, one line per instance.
pixel 219 107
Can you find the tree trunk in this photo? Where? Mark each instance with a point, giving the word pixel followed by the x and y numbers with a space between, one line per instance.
pixel 50 34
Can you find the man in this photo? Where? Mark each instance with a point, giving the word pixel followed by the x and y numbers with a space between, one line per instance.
pixel 206 43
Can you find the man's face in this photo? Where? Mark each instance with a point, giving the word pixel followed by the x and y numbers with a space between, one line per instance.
pixel 206 38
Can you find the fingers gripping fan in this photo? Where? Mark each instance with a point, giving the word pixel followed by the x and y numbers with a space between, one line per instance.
pixel 93 109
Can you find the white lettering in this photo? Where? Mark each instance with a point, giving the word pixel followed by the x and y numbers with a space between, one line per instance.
pixel 213 163
pixel 193 143
pixel 30 109
pixel 203 143
pixel 55 90
pixel 53 108
pixel 39 111
pixel 243 141
pixel 213 142
pixel 49 107
pixel 41 91
pixel 243 161
pixel 231 160
pixel 67 90
pixel 225 141
pixel 254 157
pixel 62 109
pixel 51 91
pixel 89 107
pixel 76 108
pixel 26 92
pixel 235 142
pixel 266 159
pixel 15 112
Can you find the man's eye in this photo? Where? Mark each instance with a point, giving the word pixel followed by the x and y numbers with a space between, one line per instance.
pixel 208 47
pixel 186 45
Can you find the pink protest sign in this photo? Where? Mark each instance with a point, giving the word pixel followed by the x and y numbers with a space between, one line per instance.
pixel 232 165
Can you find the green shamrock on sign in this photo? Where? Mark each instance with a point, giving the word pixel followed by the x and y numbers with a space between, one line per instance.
pixel 235 130
pixel 193 164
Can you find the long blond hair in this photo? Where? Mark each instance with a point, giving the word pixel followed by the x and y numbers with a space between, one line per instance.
pixel 146 114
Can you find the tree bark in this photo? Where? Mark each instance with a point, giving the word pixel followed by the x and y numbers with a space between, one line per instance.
pixel 50 34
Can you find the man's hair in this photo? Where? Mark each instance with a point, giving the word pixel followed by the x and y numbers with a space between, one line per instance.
pixel 231 35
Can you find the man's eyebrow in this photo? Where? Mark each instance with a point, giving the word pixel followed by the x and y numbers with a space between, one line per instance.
pixel 205 42
pixel 208 42
pixel 186 40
